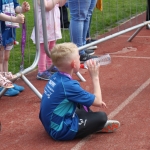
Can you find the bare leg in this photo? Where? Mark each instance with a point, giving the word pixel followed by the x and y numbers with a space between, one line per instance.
pixel 1 59
pixel 6 58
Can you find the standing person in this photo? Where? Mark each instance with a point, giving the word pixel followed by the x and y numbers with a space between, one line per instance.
pixel 64 17
pixel 80 12
pixel 8 24
pixel 62 112
pixel 148 13
pixel 99 6
pixel 53 33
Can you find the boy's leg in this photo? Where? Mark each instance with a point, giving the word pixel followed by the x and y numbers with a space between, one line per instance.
pixel 90 122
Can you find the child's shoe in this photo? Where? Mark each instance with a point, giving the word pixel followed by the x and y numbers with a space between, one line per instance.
pixel 18 87
pixel 54 69
pixel 44 75
pixel 111 126
pixel 10 92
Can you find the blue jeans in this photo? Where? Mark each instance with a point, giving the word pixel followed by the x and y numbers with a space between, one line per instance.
pixel 80 12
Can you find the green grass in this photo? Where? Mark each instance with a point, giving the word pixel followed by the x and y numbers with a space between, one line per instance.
pixel 114 12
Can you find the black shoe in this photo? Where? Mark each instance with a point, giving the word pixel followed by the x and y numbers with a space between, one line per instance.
pixel 90 40
pixel 86 57
pixel 89 51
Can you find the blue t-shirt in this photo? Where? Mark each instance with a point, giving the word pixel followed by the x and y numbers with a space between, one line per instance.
pixel 8 33
pixel 58 105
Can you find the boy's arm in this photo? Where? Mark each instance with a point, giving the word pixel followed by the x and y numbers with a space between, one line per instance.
pixel 94 72
pixel 18 19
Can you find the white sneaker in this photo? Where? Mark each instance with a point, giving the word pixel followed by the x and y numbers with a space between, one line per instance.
pixel 111 126
pixel 92 47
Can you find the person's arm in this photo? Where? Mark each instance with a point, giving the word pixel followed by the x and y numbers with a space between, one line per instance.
pixel 49 5
pixel 62 3
pixel 18 19
pixel 94 73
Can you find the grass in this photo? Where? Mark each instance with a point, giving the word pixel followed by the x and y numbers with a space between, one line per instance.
pixel 114 12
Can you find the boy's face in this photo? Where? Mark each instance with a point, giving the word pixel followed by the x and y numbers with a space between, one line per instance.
pixel 76 62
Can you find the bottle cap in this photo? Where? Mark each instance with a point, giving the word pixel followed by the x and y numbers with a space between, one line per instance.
pixel 82 66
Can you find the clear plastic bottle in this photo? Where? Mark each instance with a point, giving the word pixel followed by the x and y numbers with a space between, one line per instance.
pixel 102 60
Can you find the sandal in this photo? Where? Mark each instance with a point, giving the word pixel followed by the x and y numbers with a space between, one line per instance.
pixel 4 82
pixel 8 75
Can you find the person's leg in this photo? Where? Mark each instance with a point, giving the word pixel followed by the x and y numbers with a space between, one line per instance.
pixel 43 73
pixel 78 13
pixel 42 59
pixel 6 57
pixel 10 91
pixel 49 60
pixel 148 11
pixel 64 17
pixel 1 58
pixel 88 19
pixel 88 32
pixel 90 122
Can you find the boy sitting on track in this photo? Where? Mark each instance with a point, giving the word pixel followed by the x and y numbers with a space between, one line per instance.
pixel 62 110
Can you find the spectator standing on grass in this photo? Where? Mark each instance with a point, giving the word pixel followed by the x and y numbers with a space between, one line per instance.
pixel 88 36
pixel 8 23
pixel 52 14
pixel 62 112
pixel 80 12
pixel 148 13
pixel 64 20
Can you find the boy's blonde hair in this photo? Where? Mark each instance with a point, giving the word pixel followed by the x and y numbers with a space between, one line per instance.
pixel 63 53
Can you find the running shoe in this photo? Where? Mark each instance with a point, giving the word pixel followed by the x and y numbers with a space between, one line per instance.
pixel 18 87
pixel 54 69
pixel 86 57
pixel 89 51
pixel 110 126
pixel 44 75
pixel 10 92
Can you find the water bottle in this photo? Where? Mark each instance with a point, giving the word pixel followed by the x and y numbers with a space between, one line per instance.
pixel 102 60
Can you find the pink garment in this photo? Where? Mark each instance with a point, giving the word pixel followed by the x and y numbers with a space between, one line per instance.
pixel 52 25
pixel 44 61
pixel 53 33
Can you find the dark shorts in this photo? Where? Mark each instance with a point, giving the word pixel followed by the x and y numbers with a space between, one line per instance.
pixel 90 122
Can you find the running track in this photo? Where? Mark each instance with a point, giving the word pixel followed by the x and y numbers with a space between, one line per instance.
pixel 125 87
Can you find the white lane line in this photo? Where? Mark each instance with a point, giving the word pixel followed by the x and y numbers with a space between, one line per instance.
pixel 115 112
pixel 129 99
pixel 114 55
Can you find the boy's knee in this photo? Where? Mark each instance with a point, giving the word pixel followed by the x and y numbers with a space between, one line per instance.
pixel 103 117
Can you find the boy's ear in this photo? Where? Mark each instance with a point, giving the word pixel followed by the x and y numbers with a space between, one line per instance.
pixel 73 64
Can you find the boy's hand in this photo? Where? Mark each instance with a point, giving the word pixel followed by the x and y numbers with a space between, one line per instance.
pixel 103 105
pixel 25 7
pixel 20 18
pixel 93 68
